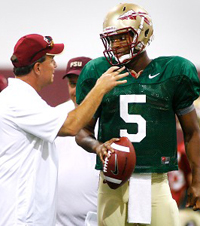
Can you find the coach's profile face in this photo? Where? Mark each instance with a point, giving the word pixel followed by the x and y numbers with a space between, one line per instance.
pixel 45 71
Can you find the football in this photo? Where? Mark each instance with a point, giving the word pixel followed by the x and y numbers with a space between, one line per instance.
pixel 119 166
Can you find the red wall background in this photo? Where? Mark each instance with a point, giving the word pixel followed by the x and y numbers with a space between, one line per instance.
pixel 54 94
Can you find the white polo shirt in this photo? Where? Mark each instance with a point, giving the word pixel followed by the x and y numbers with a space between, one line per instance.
pixel 28 159
pixel 77 181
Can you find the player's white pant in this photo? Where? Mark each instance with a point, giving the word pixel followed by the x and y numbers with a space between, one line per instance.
pixel 112 204
pixel 189 217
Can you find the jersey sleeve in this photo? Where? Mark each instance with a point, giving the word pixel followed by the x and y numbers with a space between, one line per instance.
pixel 188 85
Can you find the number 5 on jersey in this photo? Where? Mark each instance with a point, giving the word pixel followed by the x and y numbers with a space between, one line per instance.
pixel 132 118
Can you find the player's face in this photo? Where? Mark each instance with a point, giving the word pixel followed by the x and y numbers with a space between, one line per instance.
pixel 120 44
pixel 72 81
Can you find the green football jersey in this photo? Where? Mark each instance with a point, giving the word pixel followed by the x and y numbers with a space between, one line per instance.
pixel 143 109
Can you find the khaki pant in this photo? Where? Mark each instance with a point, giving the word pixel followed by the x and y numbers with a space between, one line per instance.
pixel 112 204
pixel 189 217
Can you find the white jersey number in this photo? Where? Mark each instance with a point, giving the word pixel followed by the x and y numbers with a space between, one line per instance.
pixel 133 118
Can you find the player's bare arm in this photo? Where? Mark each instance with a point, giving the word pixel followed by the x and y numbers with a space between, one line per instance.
pixel 80 116
pixel 86 137
pixel 192 143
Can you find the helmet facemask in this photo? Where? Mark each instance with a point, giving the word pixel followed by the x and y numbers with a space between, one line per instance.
pixel 133 46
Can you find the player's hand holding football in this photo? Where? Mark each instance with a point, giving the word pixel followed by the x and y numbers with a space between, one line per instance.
pixel 110 79
pixel 102 149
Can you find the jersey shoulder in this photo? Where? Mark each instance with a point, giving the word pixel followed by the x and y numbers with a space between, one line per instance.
pixel 176 65
pixel 183 75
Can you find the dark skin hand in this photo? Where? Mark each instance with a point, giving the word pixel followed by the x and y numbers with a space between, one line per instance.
pixel 102 149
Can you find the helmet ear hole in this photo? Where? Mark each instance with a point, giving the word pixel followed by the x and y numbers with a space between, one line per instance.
pixel 124 8
pixel 146 32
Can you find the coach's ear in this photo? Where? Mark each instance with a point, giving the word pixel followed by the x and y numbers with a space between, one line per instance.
pixel 37 68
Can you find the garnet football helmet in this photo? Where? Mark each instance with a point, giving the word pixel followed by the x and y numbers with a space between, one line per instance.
pixel 131 20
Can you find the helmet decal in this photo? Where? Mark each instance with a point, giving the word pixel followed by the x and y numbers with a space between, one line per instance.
pixel 132 15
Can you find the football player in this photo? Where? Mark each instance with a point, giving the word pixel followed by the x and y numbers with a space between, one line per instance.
pixel 143 110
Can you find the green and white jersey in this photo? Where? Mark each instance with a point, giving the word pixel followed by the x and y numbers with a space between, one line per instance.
pixel 144 109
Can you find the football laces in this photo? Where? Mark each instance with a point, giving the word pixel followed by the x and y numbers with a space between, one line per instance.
pixel 105 166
